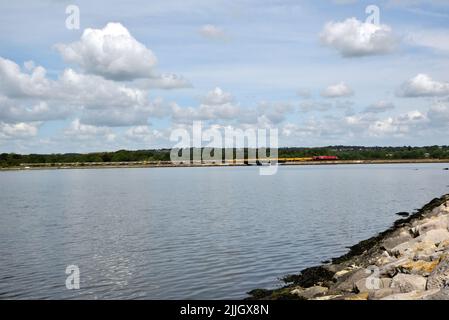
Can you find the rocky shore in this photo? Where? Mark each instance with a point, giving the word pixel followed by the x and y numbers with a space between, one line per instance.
pixel 409 261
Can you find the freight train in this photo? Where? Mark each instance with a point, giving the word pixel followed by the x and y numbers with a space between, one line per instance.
pixel 304 159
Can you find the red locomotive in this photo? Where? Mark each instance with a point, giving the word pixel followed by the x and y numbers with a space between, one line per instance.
pixel 323 158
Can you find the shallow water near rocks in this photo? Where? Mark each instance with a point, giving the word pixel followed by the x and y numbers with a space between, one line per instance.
pixel 192 233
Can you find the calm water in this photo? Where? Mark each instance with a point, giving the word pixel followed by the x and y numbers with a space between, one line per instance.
pixel 192 232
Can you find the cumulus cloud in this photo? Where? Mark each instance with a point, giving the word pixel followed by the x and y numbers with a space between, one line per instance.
pixel 98 97
pixel 94 92
pixel 423 85
pixel 20 130
pixel 111 52
pixel 215 105
pixel 368 125
pixel 337 91
pixel 12 111
pixel 379 107
pixel 204 112
pixel 399 125
pixel 353 38
pixel 217 97
pixel 143 134
pixel 273 112
pixel 80 131
pixel 213 32
pixel 16 83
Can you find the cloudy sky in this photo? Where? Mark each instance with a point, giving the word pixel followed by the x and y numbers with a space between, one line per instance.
pixel 321 72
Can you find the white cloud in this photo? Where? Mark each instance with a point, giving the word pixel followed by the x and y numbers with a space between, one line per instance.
pixel 143 134
pixel 12 111
pixel 366 125
pixel 210 31
pixel 225 111
pixel 111 52
pixel 353 38
pixel 80 131
pixel 34 97
pixel 399 125
pixel 18 84
pixel 337 91
pixel 273 112
pixel 423 85
pixel 20 130
pixel 379 107
pixel 95 92
pixel 217 97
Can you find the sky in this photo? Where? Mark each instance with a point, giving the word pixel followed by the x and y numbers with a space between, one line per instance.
pixel 327 72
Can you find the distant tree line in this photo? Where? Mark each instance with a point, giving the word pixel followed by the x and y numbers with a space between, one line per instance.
pixel 343 152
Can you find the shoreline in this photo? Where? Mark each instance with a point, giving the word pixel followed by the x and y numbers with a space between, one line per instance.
pixel 408 261
pixel 168 164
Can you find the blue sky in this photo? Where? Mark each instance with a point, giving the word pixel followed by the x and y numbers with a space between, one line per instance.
pixel 134 71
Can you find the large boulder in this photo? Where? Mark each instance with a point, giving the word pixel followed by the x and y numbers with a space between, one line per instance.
pixel 392 242
pixel 420 267
pixel 408 282
pixel 442 294
pixel 346 283
pixel 439 278
pixel 435 236
pixel 434 223
pixel 382 293
pixel 390 269
pixel 412 295
pixel 424 244
pixel 311 292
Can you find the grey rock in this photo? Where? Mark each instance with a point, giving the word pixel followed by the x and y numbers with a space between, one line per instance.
pixel 434 236
pixel 439 277
pixel 408 282
pixel 442 294
pixel 392 242
pixel 390 269
pixel 346 283
pixel 382 293
pixel 439 222
pixel 412 295
pixel 311 292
